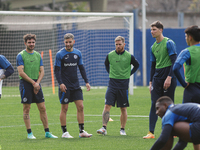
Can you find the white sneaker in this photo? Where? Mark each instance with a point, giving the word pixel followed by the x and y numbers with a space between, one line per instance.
pixel 102 131
pixel 84 134
pixel 31 136
pixel 122 132
pixel 66 135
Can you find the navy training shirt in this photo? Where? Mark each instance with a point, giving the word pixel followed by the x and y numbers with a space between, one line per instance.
pixel 189 112
pixel 68 62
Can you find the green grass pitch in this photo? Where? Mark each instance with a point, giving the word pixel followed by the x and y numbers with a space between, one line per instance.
pixel 13 135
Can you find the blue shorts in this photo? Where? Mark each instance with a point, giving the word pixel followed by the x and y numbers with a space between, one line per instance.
pixel 195 132
pixel 119 96
pixel 70 96
pixel 192 93
pixel 27 94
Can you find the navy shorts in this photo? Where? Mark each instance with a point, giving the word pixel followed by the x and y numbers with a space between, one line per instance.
pixel 192 93
pixel 119 96
pixel 195 132
pixel 70 96
pixel 27 94
pixel 157 89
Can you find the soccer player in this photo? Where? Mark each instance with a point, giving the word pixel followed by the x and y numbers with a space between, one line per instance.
pixel 162 80
pixel 118 64
pixel 66 63
pixel 31 71
pixel 182 120
pixel 190 58
pixel 9 70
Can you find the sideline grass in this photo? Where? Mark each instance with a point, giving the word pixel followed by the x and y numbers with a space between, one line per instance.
pixel 13 133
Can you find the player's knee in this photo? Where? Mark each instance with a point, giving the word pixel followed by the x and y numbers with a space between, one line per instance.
pixel 42 109
pixel 107 107
pixel 26 109
pixel 80 108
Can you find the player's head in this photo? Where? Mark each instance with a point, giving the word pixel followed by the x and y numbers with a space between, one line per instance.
pixel 162 104
pixel 69 41
pixel 119 43
pixel 192 35
pixel 29 41
pixel 156 28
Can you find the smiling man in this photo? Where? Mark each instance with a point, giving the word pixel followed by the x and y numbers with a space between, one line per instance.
pixel 182 120
pixel 66 63
pixel 162 80
pixel 31 71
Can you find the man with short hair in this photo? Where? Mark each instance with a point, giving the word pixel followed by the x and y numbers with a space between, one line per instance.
pixel 190 58
pixel 118 64
pixel 31 71
pixel 182 120
pixel 162 80
pixel 66 63
pixel 6 70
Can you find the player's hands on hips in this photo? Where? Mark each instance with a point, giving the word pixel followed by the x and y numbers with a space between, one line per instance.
pixel 150 85
pixel 167 83
pixel 88 86
pixel 63 88
pixel 187 85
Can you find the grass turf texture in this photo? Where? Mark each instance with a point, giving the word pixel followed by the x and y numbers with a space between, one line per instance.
pixel 13 135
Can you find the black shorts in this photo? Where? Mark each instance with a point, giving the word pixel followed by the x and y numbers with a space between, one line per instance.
pixel 195 132
pixel 70 96
pixel 192 93
pixel 119 96
pixel 157 89
pixel 27 94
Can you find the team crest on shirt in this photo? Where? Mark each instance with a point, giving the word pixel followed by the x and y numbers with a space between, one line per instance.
pixel 24 99
pixel 66 100
pixel 75 56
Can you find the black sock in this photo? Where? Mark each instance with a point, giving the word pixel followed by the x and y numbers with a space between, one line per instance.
pixel 81 127
pixel 104 127
pixel 122 129
pixel 46 130
pixel 152 132
pixel 64 129
pixel 29 131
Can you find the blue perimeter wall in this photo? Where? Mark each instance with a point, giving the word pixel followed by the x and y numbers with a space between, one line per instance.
pixel 94 66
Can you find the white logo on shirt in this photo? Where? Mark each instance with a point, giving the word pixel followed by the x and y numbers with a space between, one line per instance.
pixel 70 64
pixel 67 57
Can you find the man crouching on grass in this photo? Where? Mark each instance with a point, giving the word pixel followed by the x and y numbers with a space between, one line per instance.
pixel 182 120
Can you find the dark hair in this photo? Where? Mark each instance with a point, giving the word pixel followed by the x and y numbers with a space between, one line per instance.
pixel 157 24
pixel 29 37
pixel 165 99
pixel 193 31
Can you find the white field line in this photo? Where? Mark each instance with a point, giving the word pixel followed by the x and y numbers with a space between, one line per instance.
pixel 83 87
pixel 129 116
pixel 19 95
